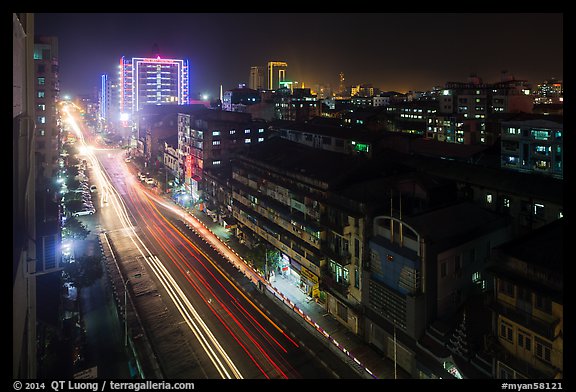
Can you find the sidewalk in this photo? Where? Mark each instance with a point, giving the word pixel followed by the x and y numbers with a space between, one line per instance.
pixel 369 362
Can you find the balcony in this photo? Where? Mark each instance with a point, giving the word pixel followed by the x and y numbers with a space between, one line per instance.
pixel 328 282
pixel 342 259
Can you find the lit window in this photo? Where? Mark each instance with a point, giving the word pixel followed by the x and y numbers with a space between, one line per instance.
pixel 215 142
pixel 41 107
pixel 260 139
pixel 261 130
pixel 246 141
pixel 41 81
pixel 506 202
pixel 41 120
pixel 489 198
pixel 246 131
pixel 215 133
pixel 215 162
pixel 232 132
pixel 41 94
pixel 538 209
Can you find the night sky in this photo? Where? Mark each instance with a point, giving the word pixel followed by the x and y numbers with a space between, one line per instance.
pixel 392 51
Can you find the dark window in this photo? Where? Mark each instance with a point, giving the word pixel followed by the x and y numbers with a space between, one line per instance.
pixel 506 288
pixel 543 303
pixel 443 269
pixel 524 294
pixel 543 350
pixel 342 311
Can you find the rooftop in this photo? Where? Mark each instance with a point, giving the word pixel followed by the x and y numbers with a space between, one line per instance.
pixel 359 134
pixel 299 160
pixel 455 223
pixel 541 187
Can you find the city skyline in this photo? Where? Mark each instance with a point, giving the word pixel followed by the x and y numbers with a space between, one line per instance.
pixel 398 52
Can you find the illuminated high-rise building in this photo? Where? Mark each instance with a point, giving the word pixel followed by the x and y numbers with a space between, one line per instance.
pixel 108 98
pixel 276 74
pixel 152 81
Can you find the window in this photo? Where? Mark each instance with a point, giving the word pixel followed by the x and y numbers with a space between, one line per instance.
pixel 539 209
pixel 356 277
pixel 41 132
pixel 41 68
pixel 457 263
pixel 505 372
pixel 41 120
pixel 215 142
pixel 41 81
pixel 232 132
pixel 506 202
pixel 41 94
pixel 41 107
pixel 543 303
pixel 524 340
pixel 506 288
pixel 443 269
pixel 489 198
pixel 540 134
pixel 246 131
pixel 215 133
pixel 543 349
pixel 506 331
pixel 524 294
pixel 260 130
pixel 246 141
pixel 260 139
pixel 215 162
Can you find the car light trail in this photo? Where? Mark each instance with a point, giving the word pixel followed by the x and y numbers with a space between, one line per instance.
pixel 197 275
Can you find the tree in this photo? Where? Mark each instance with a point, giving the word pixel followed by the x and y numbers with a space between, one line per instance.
pixel 74 229
pixel 264 259
pixel 83 272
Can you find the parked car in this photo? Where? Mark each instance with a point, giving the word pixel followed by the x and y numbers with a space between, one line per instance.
pixel 88 211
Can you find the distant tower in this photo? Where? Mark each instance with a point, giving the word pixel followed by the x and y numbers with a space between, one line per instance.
pixel 257 77
pixel 221 95
pixel 276 74
pixel 341 87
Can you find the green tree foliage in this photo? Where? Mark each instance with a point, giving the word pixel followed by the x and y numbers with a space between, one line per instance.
pixel 84 271
pixel 74 229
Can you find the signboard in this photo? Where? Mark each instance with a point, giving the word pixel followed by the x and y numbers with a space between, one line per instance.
pixel 188 164
pixel 309 275
pixel 297 205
